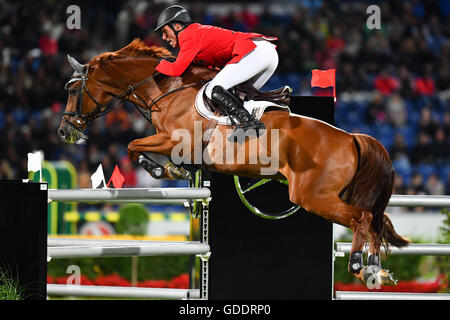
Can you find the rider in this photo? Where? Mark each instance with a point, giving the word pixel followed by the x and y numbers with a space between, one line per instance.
pixel 240 56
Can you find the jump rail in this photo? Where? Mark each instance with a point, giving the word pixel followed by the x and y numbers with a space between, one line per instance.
pixel 351 295
pixel 160 248
pixel 121 292
pixel 147 195
pixel 419 201
pixel 433 249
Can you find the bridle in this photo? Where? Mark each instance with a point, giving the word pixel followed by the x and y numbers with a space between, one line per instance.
pixel 102 109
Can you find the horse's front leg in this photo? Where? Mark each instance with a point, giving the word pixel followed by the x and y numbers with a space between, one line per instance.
pixel 153 154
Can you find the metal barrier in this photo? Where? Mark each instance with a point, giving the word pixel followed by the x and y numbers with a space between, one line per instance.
pixel 350 295
pixel 433 249
pixel 419 201
pixel 121 292
pixel 60 248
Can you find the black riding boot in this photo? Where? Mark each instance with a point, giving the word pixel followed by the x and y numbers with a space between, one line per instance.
pixel 234 108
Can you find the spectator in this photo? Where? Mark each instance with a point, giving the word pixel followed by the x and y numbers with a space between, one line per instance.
pixel 424 85
pixel 440 148
pixel 405 82
pixel 417 183
pixel 385 83
pixel 399 185
pixel 376 111
pixel 422 152
pixel 84 176
pixel 128 172
pixel 443 79
pixel 427 124
pixel 434 185
pixel 396 110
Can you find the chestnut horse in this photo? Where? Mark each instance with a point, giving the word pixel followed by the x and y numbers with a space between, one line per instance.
pixel 342 177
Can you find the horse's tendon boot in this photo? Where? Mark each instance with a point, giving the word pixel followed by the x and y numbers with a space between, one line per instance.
pixel 151 167
pixel 356 262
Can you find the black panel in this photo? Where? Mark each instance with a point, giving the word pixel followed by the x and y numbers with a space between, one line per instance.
pixel 23 235
pixel 256 258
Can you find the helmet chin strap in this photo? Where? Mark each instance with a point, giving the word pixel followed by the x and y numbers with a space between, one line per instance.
pixel 177 31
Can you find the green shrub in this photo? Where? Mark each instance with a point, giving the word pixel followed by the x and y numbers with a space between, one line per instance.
pixel 133 220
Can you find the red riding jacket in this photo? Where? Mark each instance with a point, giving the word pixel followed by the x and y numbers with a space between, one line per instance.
pixel 209 46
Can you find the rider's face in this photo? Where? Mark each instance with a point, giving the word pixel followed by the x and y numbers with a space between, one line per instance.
pixel 169 36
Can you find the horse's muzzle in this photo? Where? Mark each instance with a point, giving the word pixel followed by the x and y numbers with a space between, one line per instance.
pixel 62 134
pixel 68 134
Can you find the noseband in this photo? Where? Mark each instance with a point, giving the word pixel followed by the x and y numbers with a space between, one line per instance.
pixel 101 109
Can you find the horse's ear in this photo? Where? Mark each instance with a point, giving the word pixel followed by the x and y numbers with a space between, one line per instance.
pixel 78 67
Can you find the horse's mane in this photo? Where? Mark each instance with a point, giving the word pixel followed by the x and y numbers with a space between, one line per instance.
pixel 135 49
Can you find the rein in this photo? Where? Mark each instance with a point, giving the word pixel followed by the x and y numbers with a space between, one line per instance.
pixel 107 107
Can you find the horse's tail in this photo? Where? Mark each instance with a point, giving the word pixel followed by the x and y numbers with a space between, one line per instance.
pixel 371 189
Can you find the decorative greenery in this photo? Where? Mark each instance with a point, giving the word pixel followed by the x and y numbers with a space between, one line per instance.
pixel 9 288
pixel 133 220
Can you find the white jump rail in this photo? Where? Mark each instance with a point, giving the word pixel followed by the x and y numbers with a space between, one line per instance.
pixel 121 292
pixel 160 248
pixel 145 195
pixel 352 295
pixel 433 249
pixel 397 200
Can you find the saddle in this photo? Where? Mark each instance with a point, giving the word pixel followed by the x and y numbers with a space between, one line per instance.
pixel 246 92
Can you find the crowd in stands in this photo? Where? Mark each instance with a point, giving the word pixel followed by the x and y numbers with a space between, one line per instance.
pixel 392 83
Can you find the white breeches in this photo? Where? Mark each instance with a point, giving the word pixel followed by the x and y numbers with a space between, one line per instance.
pixel 257 66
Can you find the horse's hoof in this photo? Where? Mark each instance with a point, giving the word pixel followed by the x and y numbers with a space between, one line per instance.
pixel 386 278
pixel 374 277
pixel 176 173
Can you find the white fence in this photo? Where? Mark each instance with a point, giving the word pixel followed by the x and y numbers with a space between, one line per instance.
pixel 397 200
pixel 412 249
pixel 60 248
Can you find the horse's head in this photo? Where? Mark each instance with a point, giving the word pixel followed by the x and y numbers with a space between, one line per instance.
pixel 108 77
pixel 82 105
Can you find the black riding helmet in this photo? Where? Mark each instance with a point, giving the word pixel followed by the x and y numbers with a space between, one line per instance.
pixel 173 14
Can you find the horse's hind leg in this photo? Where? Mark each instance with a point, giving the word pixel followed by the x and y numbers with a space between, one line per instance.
pixel 374 274
pixel 360 230
pixel 335 210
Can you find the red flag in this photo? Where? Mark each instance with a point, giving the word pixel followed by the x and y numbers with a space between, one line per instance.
pixel 116 178
pixel 324 78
